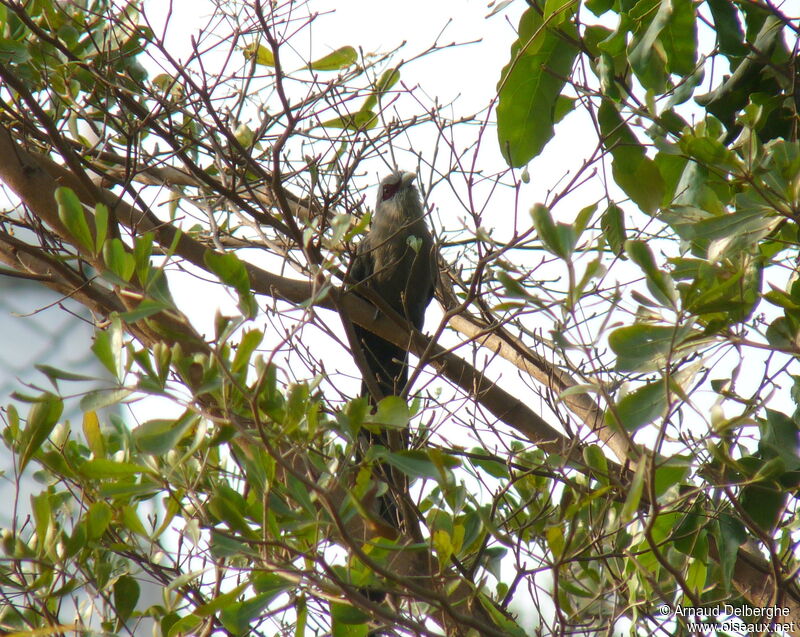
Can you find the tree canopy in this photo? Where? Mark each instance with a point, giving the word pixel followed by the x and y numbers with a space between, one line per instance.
pixel 604 405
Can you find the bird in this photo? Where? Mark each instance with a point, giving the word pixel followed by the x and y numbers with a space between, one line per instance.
pixel 396 262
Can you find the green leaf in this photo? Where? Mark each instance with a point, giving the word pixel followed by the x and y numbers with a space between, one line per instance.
pixel 392 412
pixel 671 473
pixel 270 583
pixel 658 281
pixel 597 462
pixel 385 82
pixel 634 496
pixel 260 53
pixel 157 437
pixel 97 519
pixel 238 617
pixel 126 596
pixel 728 30
pixel 132 522
pixel 42 418
pixel 350 615
pixel 232 271
pixel 70 211
pixel 531 83
pixel 730 534
pixel 599 7
pixel 250 341
pixel 779 439
pixel 142 250
pixel 612 223
pixel 634 172
pixel 558 238
pixel 227 505
pixel 101 226
pixel 764 504
pixel 644 347
pixel 221 601
pixel 54 374
pixel 100 468
pixel 107 347
pixel 118 259
pixel 645 53
pixel 640 407
pixel 42 514
pixel 494 468
pixel 417 463
pixel 339 59
pixel 147 308
pixel 97 399
pixel 360 120
pixel 183 626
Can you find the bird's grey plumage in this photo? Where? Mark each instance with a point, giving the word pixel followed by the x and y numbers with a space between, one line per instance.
pixel 396 261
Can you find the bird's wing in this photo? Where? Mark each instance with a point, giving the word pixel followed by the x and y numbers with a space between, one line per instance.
pixel 363 266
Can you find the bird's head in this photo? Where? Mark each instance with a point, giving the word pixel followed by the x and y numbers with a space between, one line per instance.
pixel 398 197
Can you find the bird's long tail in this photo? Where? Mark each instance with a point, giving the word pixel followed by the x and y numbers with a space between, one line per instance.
pixel 388 367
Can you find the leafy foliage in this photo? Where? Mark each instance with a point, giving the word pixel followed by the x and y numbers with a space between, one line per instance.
pixel 651 455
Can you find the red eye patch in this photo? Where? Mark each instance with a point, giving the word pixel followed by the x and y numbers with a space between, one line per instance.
pixel 389 191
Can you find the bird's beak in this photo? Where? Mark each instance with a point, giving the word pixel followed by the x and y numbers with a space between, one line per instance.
pixel 407 178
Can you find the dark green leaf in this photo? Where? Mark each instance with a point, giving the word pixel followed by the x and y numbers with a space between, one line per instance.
pixel 780 438
pixel 730 534
pixel 126 595
pixel 730 35
pixel 646 58
pixel 42 418
pixel 634 172
pixel 227 505
pixel 346 614
pixel 658 282
pixel 70 211
pixel 671 473
pixel 530 84
pixel 679 37
pixel 763 503
pixel 414 463
pixel 232 271
pixel 558 238
pixel 238 617
pixel 612 224
pixel 640 407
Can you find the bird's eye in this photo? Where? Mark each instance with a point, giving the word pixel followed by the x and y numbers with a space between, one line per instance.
pixel 389 191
